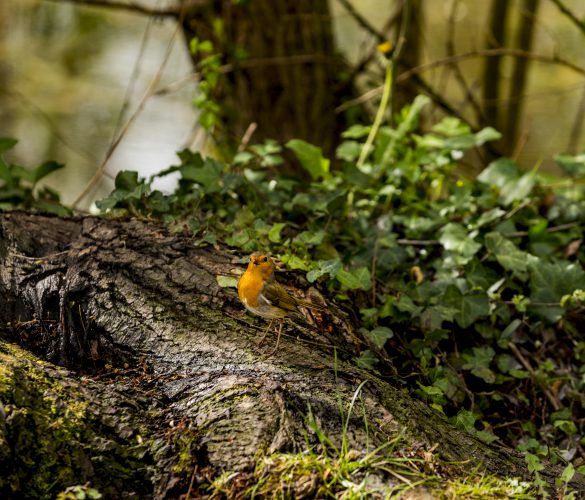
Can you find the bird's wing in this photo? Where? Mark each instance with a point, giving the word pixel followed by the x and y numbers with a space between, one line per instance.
pixel 278 296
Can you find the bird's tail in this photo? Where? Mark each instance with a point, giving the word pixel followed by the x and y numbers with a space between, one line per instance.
pixel 312 305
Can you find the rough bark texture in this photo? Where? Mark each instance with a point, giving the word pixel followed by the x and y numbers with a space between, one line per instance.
pixel 163 383
pixel 287 81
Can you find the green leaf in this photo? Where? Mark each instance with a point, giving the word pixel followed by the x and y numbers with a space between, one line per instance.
pixel 485 135
pixel 310 157
pixel 451 126
pixel 567 426
pixel 432 317
pixel 7 143
pixel 454 237
pixel 518 189
pixel 357 279
pixel 470 307
pixel 330 267
pixel 126 180
pixel 348 150
pixel 499 173
pixel 486 437
pixel 274 233
pixel 549 282
pixel 379 335
pixel 573 165
pixel 533 462
pixel 367 360
pixel 356 132
pixel 479 361
pixel 309 239
pixel 465 420
pixel 295 262
pixel 508 255
pixel 568 473
pixel 238 239
pixel 45 169
pixel 207 175
pixel 226 281
pixel 490 216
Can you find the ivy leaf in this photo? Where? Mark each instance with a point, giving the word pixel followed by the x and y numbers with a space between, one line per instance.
pixel 517 189
pixel 45 169
pixel 126 180
pixel 432 318
pixel 454 237
pixel 367 360
pixel 357 279
pixel 379 335
pixel 330 267
pixel 207 175
pixel 479 362
pixel 310 157
pixel 309 239
pixel 508 255
pixel 499 173
pixel 465 420
pixel 274 233
pixel 533 462
pixel 573 165
pixel 549 282
pixel 470 307
pixel 485 135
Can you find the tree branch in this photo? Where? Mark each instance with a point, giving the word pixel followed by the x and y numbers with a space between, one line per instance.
pixel 572 17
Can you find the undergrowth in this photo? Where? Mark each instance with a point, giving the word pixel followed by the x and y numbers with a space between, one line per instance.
pixel 472 289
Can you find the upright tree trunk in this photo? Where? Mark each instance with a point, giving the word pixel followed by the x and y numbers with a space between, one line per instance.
pixel 491 79
pixel 520 75
pixel 283 70
pixel 166 387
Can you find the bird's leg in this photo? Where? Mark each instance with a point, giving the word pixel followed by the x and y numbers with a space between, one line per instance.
pixel 265 332
pixel 277 339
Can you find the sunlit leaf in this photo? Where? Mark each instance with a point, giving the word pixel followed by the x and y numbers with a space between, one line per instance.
pixel 310 157
pixel 357 279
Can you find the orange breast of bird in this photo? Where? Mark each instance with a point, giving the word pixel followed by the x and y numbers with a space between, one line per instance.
pixel 258 279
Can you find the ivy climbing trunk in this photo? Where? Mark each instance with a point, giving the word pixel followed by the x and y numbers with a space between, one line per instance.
pixel 281 68
pixel 161 386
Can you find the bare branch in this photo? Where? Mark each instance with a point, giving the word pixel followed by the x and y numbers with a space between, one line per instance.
pixel 493 53
pixel 135 7
pixel 148 94
pixel 371 94
pixel 361 20
pixel 571 15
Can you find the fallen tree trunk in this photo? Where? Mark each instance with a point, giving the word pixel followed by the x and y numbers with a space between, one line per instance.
pixel 163 387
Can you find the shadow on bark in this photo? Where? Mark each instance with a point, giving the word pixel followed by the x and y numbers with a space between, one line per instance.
pixel 160 385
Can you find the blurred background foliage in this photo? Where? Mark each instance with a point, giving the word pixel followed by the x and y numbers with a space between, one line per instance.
pixel 71 75
pixel 451 229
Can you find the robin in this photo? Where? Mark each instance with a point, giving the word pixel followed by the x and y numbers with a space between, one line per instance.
pixel 262 295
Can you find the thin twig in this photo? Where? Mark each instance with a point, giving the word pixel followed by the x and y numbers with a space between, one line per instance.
pixel 361 20
pixel 149 92
pixel 498 52
pixel 247 136
pixel 492 53
pixel 572 17
pixel 519 356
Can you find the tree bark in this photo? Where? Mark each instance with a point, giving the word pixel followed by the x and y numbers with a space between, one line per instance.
pixel 287 81
pixel 164 385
